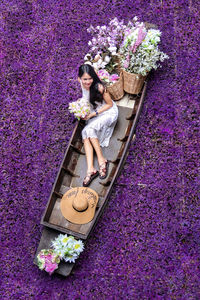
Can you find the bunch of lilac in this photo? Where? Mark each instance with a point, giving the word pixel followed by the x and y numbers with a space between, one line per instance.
pixel 139 50
pixel 106 42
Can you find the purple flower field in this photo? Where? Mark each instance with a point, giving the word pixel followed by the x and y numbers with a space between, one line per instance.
pixel 147 243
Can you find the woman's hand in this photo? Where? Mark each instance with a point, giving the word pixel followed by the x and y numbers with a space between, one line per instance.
pixel 89 116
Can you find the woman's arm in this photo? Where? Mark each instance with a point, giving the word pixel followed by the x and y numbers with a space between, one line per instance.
pixel 107 99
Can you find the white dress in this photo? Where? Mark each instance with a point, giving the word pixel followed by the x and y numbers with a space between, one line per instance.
pixel 100 126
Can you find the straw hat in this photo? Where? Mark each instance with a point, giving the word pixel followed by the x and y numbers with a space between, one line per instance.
pixel 78 205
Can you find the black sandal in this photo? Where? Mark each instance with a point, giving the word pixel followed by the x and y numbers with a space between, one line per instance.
pixel 90 176
pixel 103 170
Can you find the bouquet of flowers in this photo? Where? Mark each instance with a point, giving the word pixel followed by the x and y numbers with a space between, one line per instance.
pixel 105 44
pixel 106 77
pixel 48 260
pixel 80 108
pixel 68 247
pixel 64 247
pixel 139 50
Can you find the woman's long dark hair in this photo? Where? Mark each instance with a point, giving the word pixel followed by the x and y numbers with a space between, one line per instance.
pixel 95 95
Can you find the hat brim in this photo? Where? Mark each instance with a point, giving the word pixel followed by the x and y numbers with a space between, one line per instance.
pixel 71 214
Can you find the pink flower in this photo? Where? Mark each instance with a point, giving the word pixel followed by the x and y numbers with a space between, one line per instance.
pixel 48 260
pixel 114 77
pixel 126 64
pixel 50 267
pixel 141 36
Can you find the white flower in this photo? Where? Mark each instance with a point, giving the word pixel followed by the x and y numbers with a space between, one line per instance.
pixel 99 61
pixel 97 57
pixel 107 59
pixel 89 43
pixel 87 56
pixel 88 63
pixel 71 258
pixel 95 66
pixel 102 65
pixel 65 240
pixel 78 246
pixel 112 50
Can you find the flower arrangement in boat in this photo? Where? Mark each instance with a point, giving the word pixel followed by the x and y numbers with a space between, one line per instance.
pixel 68 247
pixel 80 108
pixel 139 51
pixel 105 43
pixel 65 248
pixel 106 77
pixel 48 260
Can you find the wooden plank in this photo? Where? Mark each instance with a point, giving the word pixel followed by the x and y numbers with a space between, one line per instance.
pixel 111 152
pixel 64 189
pixel 50 206
pixel 126 101
pixel 66 180
pixel 55 217
pixel 71 160
pixel 48 235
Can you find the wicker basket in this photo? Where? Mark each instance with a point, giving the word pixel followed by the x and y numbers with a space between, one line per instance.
pixel 133 82
pixel 118 67
pixel 116 90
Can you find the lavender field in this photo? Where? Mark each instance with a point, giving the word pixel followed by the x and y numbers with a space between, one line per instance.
pixel 147 243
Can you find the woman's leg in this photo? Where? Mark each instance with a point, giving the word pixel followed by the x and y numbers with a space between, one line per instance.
pixel 91 171
pixel 97 148
pixel 103 163
pixel 89 154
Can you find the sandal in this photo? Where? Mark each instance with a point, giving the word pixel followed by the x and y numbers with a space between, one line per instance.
pixel 89 177
pixel 103 170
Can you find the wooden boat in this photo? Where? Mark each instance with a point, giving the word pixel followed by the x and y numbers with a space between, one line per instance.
pixel 72 172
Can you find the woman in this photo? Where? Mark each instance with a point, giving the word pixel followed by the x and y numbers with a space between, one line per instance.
pixel 100 122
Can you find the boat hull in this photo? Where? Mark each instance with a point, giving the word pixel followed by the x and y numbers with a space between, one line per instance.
pixel 73 169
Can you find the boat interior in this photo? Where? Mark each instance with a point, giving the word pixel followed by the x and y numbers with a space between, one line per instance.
pixel 73 170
